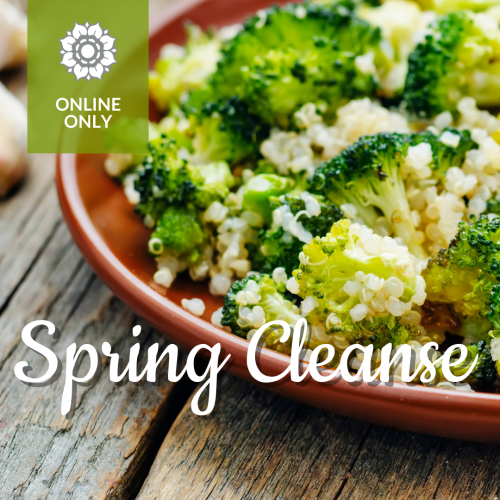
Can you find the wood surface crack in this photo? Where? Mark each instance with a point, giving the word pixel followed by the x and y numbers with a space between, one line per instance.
pixel 81 296
pixel 353 463
pixel 438 450
pixel 31 265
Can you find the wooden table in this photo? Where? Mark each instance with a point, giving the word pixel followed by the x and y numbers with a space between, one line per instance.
pixel 142 440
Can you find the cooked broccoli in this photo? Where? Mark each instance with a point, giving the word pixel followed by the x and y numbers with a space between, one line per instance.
pixel 278 247
pixel 215 131
pixel 444 155
pixel 179 229
pixel 181 69
pixel 259 189
pixel 493 206
pixel 400 22
pixel 467 276
pixel 447 6
pixel 484 372
pixel 460 57
pixel 288 56
pixel 367 175
pixel 348 4
pixel 178 127
pixel 359 284
pixel 166 180
pixel 254 301
pixel 225 130
pixel 163 179
pixel 275 248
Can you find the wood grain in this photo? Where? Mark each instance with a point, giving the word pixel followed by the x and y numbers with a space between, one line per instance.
pixel 257 445
pixel 254 444
pixel 105 448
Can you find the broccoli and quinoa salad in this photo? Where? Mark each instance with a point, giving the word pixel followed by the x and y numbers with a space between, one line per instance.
pixel 337 161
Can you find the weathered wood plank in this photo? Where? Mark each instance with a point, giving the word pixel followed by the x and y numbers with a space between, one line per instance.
pixel 102 450
pixel 27 219
pixel 19 205
pixel 255 445
pixel 395 464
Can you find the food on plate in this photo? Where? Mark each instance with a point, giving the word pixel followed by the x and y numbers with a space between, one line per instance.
pixel 337 161
pixel 13 130
pixel 466 275
pixel 459 57
pixel 13 34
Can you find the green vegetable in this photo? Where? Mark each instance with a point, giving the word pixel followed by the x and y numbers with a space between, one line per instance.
pixel 163 179
pixel 254 301
pixel 359 284
pixel 467 274
pixel 367 175
pixel 447 6
pixel 279 248
pixel 180 230
pixel 215 179
pixel 275 248
pixel 166 180
pixel 445 156
pixel 259 189
pixel 182 69
pixel 484 373
pixel 348 4
pixel 493 207
pixel 460 57
pixel 225 130
pixel 288 56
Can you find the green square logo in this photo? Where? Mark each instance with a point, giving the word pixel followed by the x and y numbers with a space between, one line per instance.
pixel 88 76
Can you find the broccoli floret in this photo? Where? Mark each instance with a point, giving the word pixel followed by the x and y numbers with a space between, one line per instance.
pixel 166 180
pixel 259 189
pixel 467 276
pixel 358 284
pixel 484 373
pixel 178 127
pixel 447 6
pixel 275 248
pixel 216 179
pixel 180 230
pixel 367 175
pixel 254 301
pixel 163 179
pixel 460 57
pixel 287 56
pixel 182 69
pixel 400 22
pixel 225 130
pixel 445 156
pixel 348 4
pixel 220 131
pixel 493 206
pixel 278 247
pixel 321 213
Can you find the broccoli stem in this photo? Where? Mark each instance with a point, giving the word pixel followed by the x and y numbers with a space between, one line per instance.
pixel 390 197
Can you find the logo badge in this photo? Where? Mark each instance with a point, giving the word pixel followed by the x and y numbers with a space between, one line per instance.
pixel 88 51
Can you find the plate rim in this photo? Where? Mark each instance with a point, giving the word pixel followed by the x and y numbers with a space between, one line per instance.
pixel 409 401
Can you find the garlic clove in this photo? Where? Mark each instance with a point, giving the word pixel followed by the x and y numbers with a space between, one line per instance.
pixel 13 135
pixel 13 35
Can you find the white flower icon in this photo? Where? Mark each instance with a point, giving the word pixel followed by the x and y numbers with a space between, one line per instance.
pixel 88 51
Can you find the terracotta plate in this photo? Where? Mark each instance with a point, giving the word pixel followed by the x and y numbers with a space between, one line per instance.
pixel 114 242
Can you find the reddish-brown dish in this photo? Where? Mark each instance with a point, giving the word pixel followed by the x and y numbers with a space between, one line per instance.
pixel 114 242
